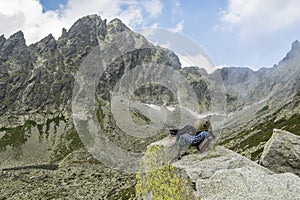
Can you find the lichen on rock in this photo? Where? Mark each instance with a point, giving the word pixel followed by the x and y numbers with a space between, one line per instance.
pixel 159 180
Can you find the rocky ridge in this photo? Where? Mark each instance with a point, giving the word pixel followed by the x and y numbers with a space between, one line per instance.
pixel 270 99
pixel 37 81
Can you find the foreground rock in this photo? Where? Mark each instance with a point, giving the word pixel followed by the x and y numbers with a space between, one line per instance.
pixel 220 173
pixel 224 174
pixel 282 152
pixel 207 164
pixel 249 183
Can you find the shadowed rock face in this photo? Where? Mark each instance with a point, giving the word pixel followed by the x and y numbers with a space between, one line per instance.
pixel 282 152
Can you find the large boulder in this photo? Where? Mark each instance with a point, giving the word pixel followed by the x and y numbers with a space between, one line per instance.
pixel 282 152
pixel 205 165
pixel 249 183
pixel 220 173
pixel 223 174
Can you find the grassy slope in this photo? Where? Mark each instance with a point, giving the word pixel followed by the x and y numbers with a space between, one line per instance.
pixel 262 132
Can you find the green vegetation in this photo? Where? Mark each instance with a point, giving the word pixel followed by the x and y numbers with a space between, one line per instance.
pixel 265 108
pixel 139 118
pixel 15 136
pixel 100 116
pixel 123 194
pixel 54 120
pixel 159 181
pixel 262 133
pixel 69 143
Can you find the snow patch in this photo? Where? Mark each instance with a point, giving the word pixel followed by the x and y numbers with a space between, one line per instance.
pixel 203 115
pixel 171 108
pixel 153 106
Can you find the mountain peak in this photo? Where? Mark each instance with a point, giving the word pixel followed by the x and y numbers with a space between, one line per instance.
pixel 47 42
pixel 85 24
pixel 2 40
pixel 296 45
pixel 89 18
pixel 295 50
pixel 116 25
pixel 47 38
pixel 116 21
pixel 64 32
pixel 85 31
pixel 18 36
pixel 16 40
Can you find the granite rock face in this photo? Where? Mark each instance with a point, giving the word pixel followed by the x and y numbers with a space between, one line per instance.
pixel 282 152
pixel 220 173
pixel 249 183
pixel 219 158
pixel 223 174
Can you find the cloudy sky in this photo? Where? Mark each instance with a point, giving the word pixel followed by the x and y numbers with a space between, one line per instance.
pixel 253 33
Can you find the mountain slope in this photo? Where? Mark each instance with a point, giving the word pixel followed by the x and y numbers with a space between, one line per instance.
pixel 36 85
pixel 271 100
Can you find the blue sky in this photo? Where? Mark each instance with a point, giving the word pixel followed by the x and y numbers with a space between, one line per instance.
pixel 253 33
pixel 53 4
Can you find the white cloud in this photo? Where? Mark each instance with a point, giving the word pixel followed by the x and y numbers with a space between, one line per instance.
pixel 177 3
pixel 260 17
pixel 153 7
pixel 176 9
pixel 179 26
pixel 28 16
